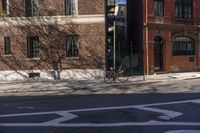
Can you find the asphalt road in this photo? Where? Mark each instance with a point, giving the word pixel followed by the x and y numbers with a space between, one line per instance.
pixel 131 113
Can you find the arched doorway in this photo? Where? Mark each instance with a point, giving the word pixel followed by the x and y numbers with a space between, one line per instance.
pixel 158 53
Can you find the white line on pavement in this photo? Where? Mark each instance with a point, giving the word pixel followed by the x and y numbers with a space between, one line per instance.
pixel 124 124
pixel 67 115
pixel 169 114
pixel 98 109
pixel 196 101
pixel 184 131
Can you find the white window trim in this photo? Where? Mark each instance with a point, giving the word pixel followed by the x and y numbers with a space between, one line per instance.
pixel 33 59
pixel 76 6
pixel 8 7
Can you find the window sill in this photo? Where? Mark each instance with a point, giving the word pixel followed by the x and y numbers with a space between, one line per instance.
pixel 4 15
pixel 33 59
pixel 7 55
pixel 184 55
pixel 184 19
pixel 71 15
pixel 72 58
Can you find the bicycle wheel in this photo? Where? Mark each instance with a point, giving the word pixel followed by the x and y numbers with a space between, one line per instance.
pixel 108 78
pixel 123 77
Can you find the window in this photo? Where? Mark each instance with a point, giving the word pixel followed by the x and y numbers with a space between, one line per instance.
pixel 159 8
pixel 183 46
pixel 32 7
pixel 32 47
pixel 72 46
pixel 183 8
pixel 71 7
pixel 7 46
pixel 5 7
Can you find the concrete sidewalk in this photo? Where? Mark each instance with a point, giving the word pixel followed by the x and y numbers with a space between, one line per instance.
pixel 173 76
pixel 165 83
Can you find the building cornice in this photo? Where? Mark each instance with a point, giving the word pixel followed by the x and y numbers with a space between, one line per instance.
pixel 173 26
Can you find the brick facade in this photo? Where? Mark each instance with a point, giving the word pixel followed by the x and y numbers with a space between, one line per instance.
pixel 56 7
pixel 88 25
pixel 166 27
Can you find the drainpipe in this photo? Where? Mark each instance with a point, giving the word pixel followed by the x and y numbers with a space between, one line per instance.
pixel 197 46
pixel 147 38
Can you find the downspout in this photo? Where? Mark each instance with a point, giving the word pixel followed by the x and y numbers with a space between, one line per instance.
pixel 106 35
pixel 197 46
pixel 147 38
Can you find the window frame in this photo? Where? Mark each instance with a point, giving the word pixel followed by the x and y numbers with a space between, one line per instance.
pixel 34 8
pixel 5 7
pixel 75 53
pixel 71 10
pixel 7 46
pixel 183 5
pixel 183 47
pixel 157 7
pixel 35 50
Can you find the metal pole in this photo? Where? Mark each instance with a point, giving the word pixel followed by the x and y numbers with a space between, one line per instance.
pixel 131 58
pixel 114 46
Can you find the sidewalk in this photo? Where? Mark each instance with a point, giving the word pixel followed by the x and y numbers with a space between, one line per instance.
pixel 165 83
pixel 173 76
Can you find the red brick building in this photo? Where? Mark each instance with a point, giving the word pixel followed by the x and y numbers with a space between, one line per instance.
pixel 47 38
pixel 165 34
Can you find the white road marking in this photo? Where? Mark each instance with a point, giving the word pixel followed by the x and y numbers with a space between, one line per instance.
pixel 102 108
pixel 167 113
pixel 197 101
pixel 184 131
pixel 133 106
pixel 123 124
pixel 32 114
pixel 68 115
pixel 163 117
pixel 65 117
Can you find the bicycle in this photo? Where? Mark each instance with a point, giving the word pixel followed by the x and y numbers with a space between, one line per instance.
pixel 113 75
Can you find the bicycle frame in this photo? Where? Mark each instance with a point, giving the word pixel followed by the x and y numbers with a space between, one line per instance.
pixel 116 73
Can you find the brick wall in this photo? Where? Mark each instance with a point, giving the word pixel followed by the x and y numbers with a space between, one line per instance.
pixel 169 28
pixel 169 11
pixel 56 7
pixel 91 7
pixel 92 47
pixel 52 37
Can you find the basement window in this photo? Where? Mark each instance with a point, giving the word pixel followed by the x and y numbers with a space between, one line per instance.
pixel 34 75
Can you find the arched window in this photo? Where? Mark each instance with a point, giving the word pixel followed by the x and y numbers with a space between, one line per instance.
pixel 183 46
pixel 159 8
pixel 183 8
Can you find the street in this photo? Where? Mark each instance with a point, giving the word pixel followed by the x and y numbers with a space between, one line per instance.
pixel 102 113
